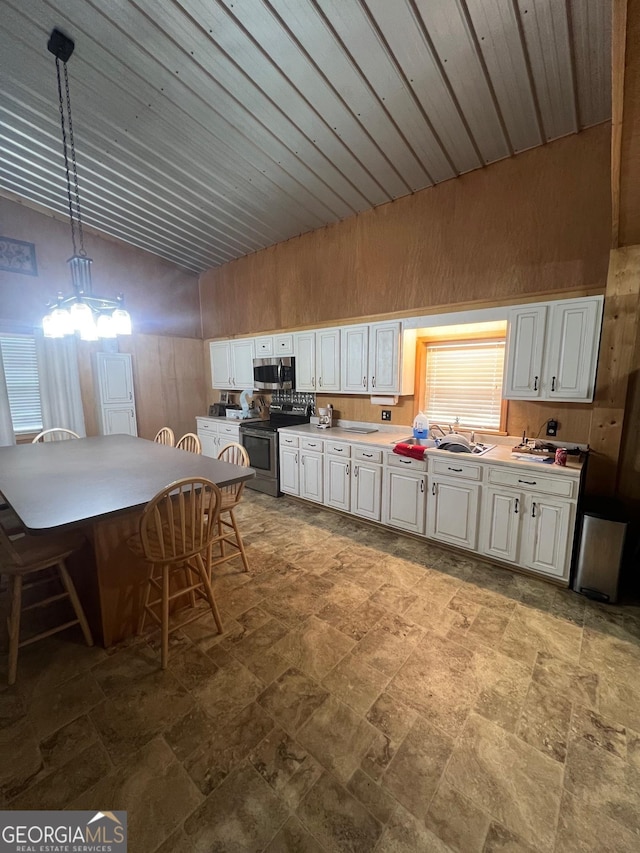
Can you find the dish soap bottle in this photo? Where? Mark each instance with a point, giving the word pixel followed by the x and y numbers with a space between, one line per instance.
pixel 421 427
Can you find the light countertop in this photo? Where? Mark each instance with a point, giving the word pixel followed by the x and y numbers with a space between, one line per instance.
pixel 386 438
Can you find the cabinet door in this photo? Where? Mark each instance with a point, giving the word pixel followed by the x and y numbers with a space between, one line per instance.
pixel 572 349
pixel 354 355
pixel 502 512
pixel 289 474
pixel 403 500
pixel 242 364
pixel 220 356
pixel 452 512
pixel 328 360
pixel 311 476
pixel 384 358
pixel 305 349
pixel 118 420
pixel 337 482
pixel 209 443
pixel 546 542
pixel 115 377
pixel 523 359
pixel 283 345
pixel 366 491
pixel 264 347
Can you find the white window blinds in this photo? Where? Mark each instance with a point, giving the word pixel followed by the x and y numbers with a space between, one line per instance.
pixel 464 381
pixel 23 387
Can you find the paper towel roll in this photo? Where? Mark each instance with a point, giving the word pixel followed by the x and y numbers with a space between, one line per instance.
pixel 384 401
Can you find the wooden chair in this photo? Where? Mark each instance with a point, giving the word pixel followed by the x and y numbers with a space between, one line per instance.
pixel 30 555
pixel 190 442
pixel 55 434
pixel 165 436
pixel 235 454
pixel 176 529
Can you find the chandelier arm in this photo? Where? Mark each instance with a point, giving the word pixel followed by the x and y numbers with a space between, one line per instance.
pixel 66 157
pixel 73 162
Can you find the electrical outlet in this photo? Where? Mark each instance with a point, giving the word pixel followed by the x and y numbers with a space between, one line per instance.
pixel 552 427
pixel 386 414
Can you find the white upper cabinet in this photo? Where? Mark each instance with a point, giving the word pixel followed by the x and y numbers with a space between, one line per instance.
pixel 305 353
pixel 242 354
pixel 525 343
pixel 220 355
pixel 385 344
pixel 264 347
pixel 115 377
pixel 354 354
pixel 283 344
pixel 328 360
pixel 572 350
pixel 552 350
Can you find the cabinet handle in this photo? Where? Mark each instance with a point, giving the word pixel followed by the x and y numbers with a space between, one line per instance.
pixel 131 395
pixel 457 470
pixel 355 471
pixel 296 458
pixel 312 445
pixel 313 382
pixel 553 383
pixel 347 470
pixel 517 506
pixel 370 456
pixel 321 381
pixel 528 482
pixel 404 461
pixel 373 381
pixel 535 383
pixel 337 449
pixel 422 485
pixel 303 459
pixel 433 488
pixel 364 381
pixel 533 510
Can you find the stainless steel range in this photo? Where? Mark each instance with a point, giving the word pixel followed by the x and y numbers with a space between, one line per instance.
pixel 261 442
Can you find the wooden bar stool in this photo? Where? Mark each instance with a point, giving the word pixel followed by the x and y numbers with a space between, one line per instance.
pixel 190 442
pixel 30 555
pixel 165 436
pixel 235 454
pixel 176 530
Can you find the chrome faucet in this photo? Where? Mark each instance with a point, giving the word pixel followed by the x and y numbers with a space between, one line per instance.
pixel 438 427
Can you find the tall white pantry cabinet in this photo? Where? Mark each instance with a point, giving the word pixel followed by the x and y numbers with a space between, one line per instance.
pixel 115 397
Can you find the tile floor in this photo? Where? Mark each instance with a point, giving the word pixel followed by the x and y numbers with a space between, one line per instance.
pixel 371 693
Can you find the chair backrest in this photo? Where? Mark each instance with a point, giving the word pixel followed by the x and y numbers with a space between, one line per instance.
pixel 235 454
pixel 165 436
pixel 180 521
pixel 190 442
pixel 55 434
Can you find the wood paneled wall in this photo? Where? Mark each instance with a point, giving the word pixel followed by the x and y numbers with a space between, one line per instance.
pixel 169 382
pixel 162 298
pixel 533 225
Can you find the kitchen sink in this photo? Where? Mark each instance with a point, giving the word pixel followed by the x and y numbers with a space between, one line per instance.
pixel 476 449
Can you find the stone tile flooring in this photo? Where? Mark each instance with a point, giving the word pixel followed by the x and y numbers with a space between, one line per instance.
pixel 371 692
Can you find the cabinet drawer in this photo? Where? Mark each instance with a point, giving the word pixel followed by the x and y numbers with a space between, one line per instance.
pixel 206 426
pixel 405 462
pixel 264 347
pixel 336 448
pixel 453 468
pixel 283 345
pixel 532 482
pixel 229 429
pixel 288 440
pixel 364 454
pixel 315 445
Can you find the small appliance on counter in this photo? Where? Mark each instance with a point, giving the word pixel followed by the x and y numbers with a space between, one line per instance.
pixel 325 417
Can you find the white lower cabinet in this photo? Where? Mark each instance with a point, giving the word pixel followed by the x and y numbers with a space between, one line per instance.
pixel 311 476
pixel 366 490
pixel 119 420
pixel 452 512
pixel 500 524
pixel 404 500
pixel 209 442
pixel 337 482
pixel 289 471
pixel 546 537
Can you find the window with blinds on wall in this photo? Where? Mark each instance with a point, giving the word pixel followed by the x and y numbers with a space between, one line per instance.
pixel 23 386
pixel 463 379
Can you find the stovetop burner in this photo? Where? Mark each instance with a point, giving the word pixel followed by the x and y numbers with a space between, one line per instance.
pixel 281 415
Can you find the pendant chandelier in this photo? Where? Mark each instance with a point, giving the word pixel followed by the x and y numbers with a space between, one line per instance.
pixel 92 316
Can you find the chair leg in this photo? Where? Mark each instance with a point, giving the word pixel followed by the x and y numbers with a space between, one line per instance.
pixel 145 603
pixel 221 534
pixel 239 540
pixel 75 601
pixel 204 577
pixel 165 616
pixel 14 627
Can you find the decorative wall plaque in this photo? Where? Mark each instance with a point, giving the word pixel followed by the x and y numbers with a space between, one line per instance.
pixel 18 256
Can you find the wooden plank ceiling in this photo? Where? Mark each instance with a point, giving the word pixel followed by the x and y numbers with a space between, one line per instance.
pixel 208 129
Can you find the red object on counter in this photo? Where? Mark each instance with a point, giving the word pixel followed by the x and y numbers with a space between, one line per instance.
pixel 561 456
pixel 415 451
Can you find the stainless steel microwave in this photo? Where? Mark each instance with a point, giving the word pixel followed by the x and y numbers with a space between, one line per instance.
pixel 274 374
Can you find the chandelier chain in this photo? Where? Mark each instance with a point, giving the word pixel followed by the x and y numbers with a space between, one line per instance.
pixel 66 156
pixel 73 162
